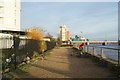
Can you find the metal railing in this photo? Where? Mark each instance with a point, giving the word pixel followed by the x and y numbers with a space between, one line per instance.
pixel 103 52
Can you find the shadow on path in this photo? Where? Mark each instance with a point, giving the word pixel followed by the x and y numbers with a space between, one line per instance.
pixel 52 70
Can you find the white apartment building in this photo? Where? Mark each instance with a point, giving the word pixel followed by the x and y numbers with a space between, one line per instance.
pixel 9 20
pixel 62 33
pixel 10 15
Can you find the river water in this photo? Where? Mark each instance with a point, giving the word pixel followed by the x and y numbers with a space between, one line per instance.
pixel 112 54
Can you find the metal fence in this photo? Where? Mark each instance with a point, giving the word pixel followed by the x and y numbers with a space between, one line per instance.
pixel 103 52
pixel 6 43
pixel 12 56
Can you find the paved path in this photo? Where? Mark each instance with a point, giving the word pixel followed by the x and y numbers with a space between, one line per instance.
pixel 60 64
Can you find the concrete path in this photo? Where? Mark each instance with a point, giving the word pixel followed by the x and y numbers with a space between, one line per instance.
pixel 60 64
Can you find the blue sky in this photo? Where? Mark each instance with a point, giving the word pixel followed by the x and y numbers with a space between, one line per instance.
pixel 96 20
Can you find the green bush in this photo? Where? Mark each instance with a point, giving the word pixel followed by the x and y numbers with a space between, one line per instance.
pixel 35 54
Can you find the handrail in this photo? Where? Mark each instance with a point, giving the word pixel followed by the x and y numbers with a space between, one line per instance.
pixel 102 55
pixel 104 47
pixel 91 49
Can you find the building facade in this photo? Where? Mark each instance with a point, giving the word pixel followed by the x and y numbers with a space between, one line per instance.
pixel 64 33
pixel 9 21
pixel 67 35
pixel 10 15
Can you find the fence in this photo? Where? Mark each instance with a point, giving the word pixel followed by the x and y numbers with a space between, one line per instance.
pixel 12 57
pixel 109 54
pixel 6 43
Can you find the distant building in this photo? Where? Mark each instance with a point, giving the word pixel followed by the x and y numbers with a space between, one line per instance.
pixel 67 35
pixel 64 33
pixel 79 38
pixel 36 29
pixel 10 15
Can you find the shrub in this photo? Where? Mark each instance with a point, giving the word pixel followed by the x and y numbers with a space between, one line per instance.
pixel 35 54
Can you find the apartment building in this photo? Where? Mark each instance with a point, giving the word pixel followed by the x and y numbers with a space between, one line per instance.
pixel 9 21
pixel 64 33
pixel 10 15
pixel 67 35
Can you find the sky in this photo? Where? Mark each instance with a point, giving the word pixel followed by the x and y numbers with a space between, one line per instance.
pixel 93 20
pixel 69 0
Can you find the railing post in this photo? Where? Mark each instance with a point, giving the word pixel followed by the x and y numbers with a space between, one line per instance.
pixel 93 50
pixel 102 53
pixel 87 48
